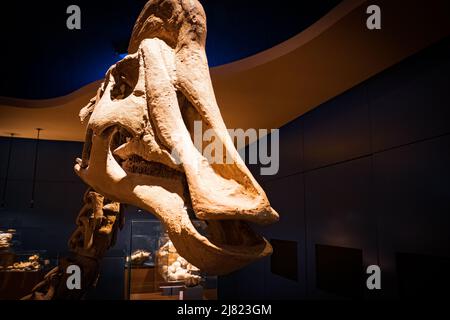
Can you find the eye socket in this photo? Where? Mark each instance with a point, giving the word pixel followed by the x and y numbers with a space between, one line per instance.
pixel 125 75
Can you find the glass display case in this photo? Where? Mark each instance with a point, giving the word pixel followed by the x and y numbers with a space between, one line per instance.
pixel 13 259
pixel 20 270
pixel 174 268
pixel 156 271
pixel 144 242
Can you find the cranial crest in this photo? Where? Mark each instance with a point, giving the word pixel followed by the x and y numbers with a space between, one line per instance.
pixel 139 145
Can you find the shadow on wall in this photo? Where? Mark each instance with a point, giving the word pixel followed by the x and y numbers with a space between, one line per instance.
pixel 363 180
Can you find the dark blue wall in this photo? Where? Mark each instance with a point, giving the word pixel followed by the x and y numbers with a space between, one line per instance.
pixel 58 191
pixel 57 201
pixel 370 170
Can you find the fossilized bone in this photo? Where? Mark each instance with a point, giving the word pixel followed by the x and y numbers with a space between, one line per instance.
pixel 97 227
pixel 139 150
pixel 139 145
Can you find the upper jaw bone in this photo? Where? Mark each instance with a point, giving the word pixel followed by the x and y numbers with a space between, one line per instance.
pixel 147 150
pixel 222 191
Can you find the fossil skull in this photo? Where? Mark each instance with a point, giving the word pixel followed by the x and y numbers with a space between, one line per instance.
pixel 139 143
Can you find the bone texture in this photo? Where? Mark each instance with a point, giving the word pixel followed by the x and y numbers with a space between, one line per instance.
pixel 140 148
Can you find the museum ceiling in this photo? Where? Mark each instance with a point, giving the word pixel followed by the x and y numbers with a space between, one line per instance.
pixel 44 59
pixel 264 84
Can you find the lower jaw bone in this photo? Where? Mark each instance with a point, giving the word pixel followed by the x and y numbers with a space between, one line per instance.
pixel 165 198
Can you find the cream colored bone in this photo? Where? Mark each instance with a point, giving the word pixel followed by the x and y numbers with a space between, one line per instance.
pixel 148 103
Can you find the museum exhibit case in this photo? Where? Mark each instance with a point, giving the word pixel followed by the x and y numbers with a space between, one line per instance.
pixel 155 270
pixel 221 150
pixel 20 270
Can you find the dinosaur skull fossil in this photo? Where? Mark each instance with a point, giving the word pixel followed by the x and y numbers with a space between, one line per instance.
pixel 139 142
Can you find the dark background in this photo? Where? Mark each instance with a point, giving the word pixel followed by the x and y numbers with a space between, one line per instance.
pixel 364 179
pixel 368 170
